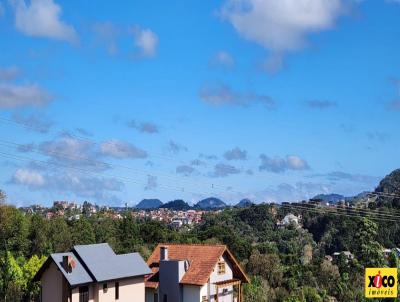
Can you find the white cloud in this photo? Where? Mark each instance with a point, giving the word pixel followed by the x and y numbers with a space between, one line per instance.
pixel 222 59
pixel 344 176
pixel 121 149
pixel 13 96
pixel 69 151
pixel 321 104
pixel 144 127
pixel 70 183
pixel 67 147
pixel 278 164
pixel 185 170
pixel 221 94
pixel 236 154
pixel 283 25
pixel 28 177
pixel 175 147
pixel 224 170
pixel 146 41
pixel 41 18
pixel 106 33
pixel 9 73
pixel 35 122
pixel 288 192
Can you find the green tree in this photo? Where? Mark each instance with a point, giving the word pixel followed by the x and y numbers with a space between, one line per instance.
pixel 60 235
pixel 268 266
pixel 255 291
pixel 13 230
pixel 369 250
pixel 11 276
pixel 105 231
pixel 128 235
pixel 3 197
pixel 38 236
pixel 29 270
pixel 82 232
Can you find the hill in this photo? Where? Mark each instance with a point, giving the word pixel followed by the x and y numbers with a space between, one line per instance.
pixel 388 191
pixel 210 203
pixel 331 198
pixel 177 205
pixel 244 203
pixel 149 204
pixel 390 184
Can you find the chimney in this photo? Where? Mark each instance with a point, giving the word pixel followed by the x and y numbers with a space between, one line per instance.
pixel 65 263
pixel 68 264
pixel 163 253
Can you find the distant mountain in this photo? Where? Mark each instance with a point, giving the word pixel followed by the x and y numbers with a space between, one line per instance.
pixel 388 191
pixel 244 203
pixel 210 203
pixel 331 198
pixel 149 204
pixel 390 184
pixel 360 195
pixel 177 205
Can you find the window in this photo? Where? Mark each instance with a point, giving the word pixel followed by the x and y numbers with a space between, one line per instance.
pixel 165 299
pixel 155 297
pixel 225 291
pixel 105 287
pixel 221 268
pixel 116 290
pixel 204 299
pixel 83 294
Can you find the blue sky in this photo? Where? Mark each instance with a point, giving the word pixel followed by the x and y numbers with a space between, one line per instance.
pixel 269 100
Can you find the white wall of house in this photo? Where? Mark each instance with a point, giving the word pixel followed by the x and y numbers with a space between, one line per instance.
pixel 92 293
pixel 52 284
pixel 215 277
pixel 131 289
pixel 193 293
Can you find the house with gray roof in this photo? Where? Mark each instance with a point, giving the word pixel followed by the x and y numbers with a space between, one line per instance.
pixel 93 273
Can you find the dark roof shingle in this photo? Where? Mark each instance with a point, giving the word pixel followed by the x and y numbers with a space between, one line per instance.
pixel 105 265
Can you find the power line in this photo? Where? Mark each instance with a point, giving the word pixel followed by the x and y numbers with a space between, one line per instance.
pixel 78 137
pixel 320 211
pixel 102 163
pixel 376 211
pixel 27 126
pixel 384 194
pixel 324 211
pixel 124 179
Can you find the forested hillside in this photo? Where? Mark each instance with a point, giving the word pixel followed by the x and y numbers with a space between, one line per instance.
pixel 285 264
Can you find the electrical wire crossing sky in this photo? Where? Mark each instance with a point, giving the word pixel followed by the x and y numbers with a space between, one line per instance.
pixel 266 100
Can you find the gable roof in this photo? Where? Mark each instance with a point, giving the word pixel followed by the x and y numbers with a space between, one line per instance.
pixel 103 264
pixel 98 263
pixel 79 275
pixel 202 259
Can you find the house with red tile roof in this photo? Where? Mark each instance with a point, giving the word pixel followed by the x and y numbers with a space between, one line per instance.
pixel 194 273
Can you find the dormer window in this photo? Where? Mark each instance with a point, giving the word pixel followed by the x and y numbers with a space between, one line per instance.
pixel 221 268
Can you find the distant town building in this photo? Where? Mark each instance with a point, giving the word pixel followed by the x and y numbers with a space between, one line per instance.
pixel 349 256
pixel 290 219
